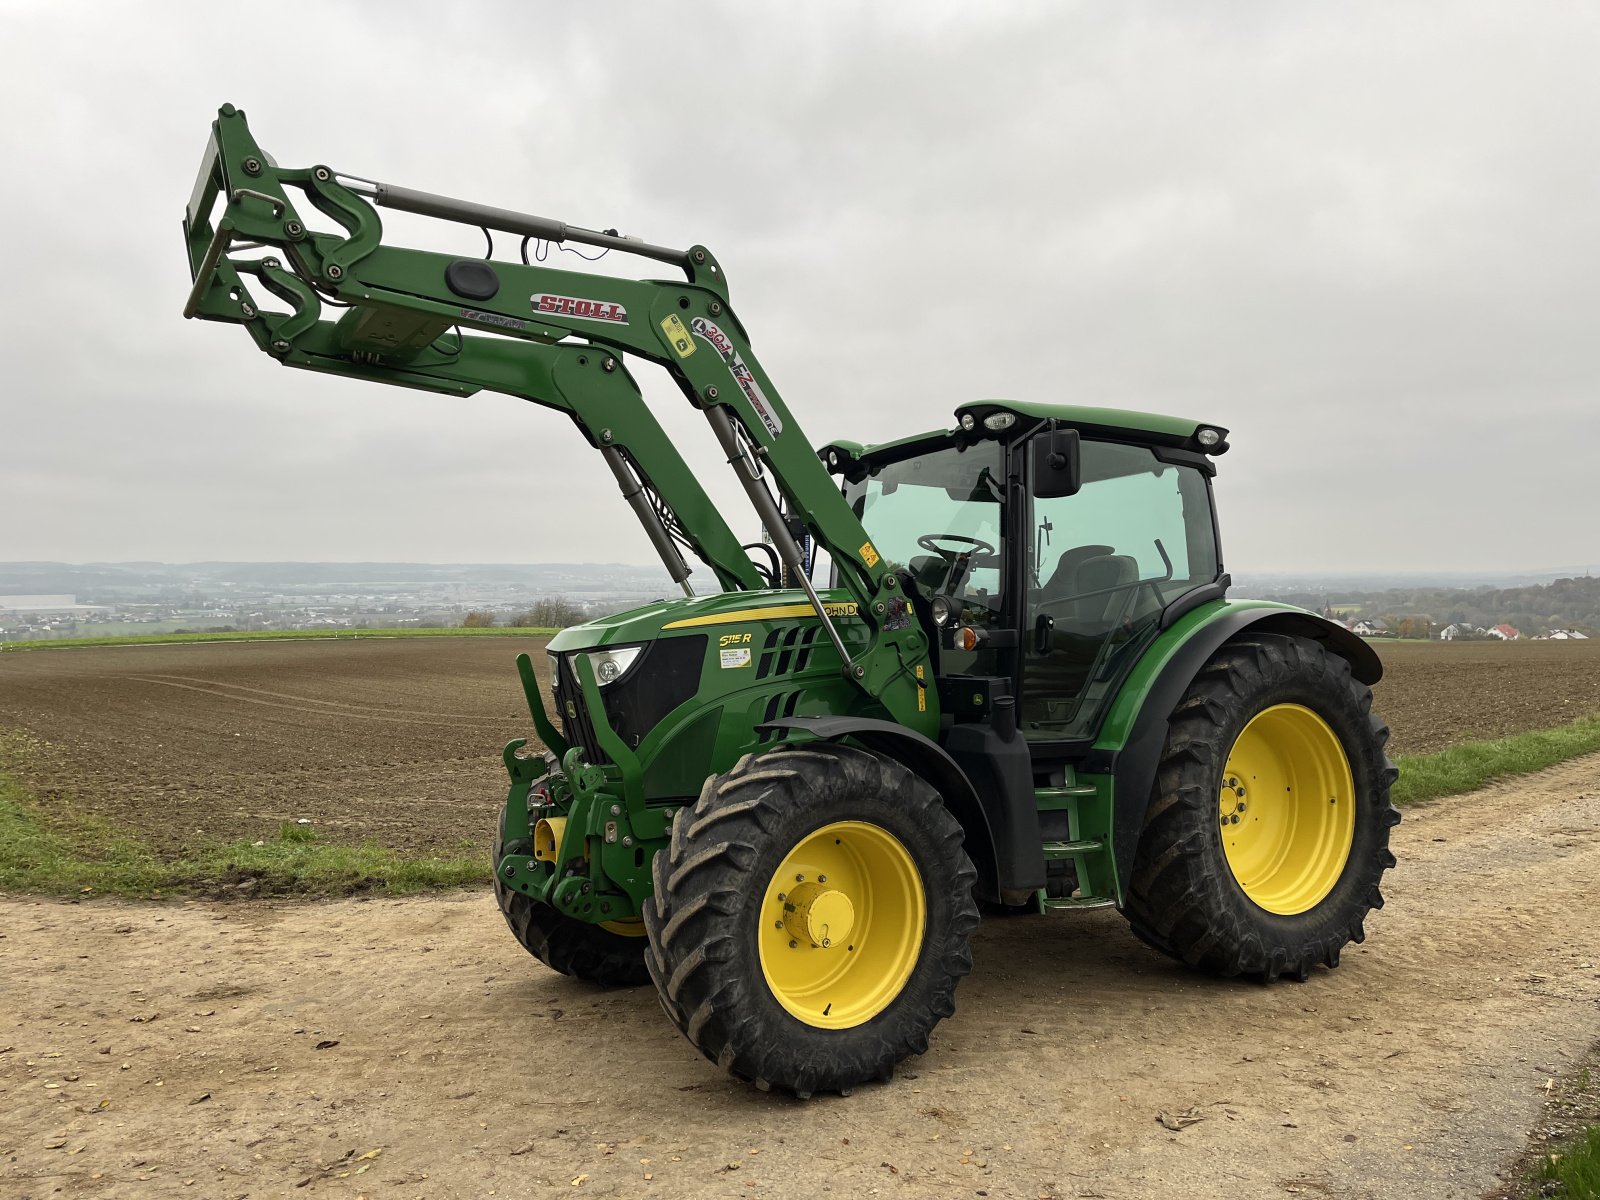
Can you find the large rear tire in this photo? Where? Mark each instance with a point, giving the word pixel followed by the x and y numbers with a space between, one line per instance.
pixel 1268 833
pixel 610 956
pixel 811 918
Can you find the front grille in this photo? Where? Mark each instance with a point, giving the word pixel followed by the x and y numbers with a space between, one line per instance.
pixel 575 724
pixel 666 674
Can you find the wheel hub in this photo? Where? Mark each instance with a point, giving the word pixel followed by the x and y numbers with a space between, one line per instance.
pixel 842 924
pixel 1286 808
pixel 818 915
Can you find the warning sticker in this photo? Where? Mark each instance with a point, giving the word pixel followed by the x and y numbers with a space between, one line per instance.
pixel 868 554
pixel 678 334
pixel 736 658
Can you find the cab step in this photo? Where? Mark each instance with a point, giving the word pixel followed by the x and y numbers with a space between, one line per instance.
pixel 1055 799
pixel 1050 905
pixel 1072 849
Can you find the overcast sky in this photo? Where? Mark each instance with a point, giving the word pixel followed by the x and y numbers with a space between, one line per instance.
pixel 1364 237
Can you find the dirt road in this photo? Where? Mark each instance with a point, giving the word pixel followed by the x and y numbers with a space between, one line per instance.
pixel 147 1046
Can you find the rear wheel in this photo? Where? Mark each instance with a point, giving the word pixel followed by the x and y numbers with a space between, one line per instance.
pixel 811 918
pixel 1268 833
pixel 610 954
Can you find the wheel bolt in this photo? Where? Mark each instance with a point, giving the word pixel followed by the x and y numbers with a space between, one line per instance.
pixel 793 944
pixel 822 879
pixel 799 878
pixel 1235 818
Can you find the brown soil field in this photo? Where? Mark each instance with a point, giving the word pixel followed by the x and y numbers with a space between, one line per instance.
pixel 395 740
pixel 1435 694
pixel 410 1048
pixel 399 740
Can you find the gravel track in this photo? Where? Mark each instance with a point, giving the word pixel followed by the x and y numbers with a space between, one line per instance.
pixel 1414 1070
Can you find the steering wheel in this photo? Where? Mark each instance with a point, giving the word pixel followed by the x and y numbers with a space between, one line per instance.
pixel 930 541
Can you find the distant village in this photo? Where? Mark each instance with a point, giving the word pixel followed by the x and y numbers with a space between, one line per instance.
pixel 1422 627
pixel 41 617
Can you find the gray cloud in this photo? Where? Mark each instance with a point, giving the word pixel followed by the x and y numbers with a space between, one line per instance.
pixel 1364 237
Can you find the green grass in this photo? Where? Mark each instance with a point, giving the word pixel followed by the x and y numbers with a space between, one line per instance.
pixel 90 856
pixel 1470 765
pixel 271 635
pixel 1576 1170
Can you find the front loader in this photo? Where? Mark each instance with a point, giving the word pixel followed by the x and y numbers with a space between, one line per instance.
pixel 1018 680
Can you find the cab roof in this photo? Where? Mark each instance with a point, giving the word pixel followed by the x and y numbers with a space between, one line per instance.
pixel 1118 424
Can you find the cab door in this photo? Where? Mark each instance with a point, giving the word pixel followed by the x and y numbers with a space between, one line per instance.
pixel 1102 564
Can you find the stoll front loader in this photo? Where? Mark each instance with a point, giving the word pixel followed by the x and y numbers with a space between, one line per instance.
pixel 1018 681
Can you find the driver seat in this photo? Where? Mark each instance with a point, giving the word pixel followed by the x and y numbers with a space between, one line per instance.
pixel 1062 583
pixel 1099 593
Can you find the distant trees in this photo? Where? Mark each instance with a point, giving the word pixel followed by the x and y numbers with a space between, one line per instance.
pixel 552 612
pixel 1535 608
pixel 478 620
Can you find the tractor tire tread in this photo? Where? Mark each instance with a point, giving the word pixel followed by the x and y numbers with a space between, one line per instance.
pixel 698 952
pixel 1182 900
pixel 566 944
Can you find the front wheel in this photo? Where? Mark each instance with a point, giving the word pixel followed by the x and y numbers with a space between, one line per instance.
pixel 610 954
pixel 811 917
pixel 1268 833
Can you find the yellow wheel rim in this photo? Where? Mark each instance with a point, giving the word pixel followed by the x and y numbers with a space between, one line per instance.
pixel 842 923
pixel 628 927
pixel 1287 809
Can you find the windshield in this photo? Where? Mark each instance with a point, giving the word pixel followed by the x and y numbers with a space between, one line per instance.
pixel 939 517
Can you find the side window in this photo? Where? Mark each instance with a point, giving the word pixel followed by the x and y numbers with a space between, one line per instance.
pixel 1151 520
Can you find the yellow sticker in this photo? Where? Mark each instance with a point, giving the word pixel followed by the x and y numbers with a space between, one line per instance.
pixel 678 334
pixel 922 691
pixel 869 555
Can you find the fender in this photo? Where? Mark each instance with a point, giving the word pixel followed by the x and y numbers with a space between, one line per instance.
pixel 1133 764
pixel 925 757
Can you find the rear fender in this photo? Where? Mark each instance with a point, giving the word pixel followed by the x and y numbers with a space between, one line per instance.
pixel 1132 765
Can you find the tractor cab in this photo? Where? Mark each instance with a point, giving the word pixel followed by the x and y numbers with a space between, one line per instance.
pixel 1048 545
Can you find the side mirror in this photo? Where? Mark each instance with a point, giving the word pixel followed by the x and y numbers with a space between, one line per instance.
pixel 1057 463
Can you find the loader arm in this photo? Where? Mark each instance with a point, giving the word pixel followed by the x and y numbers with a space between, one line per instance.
pixel 549 333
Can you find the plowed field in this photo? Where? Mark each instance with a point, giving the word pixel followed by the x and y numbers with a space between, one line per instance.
pixel 399 741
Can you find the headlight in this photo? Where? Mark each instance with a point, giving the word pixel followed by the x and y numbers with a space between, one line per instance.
pixel 943 610
pixel 1209 437
pixel 611 665
pixel 999 421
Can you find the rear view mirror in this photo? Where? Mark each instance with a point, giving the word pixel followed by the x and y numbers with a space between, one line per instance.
pixel 1057 463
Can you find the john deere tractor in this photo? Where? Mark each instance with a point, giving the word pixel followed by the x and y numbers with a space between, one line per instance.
pixel 993 664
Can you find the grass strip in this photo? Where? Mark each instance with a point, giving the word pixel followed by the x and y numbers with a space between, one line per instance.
pixel 90 857
pixel 1471 765
pixel 1575 1172
pixel 273 635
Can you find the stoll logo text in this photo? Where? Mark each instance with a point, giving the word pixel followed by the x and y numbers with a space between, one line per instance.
pixel 572 306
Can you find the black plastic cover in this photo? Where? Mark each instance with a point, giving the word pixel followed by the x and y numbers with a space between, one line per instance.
pixel 472 278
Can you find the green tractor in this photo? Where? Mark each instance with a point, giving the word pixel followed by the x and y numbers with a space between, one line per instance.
pixel 990 664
